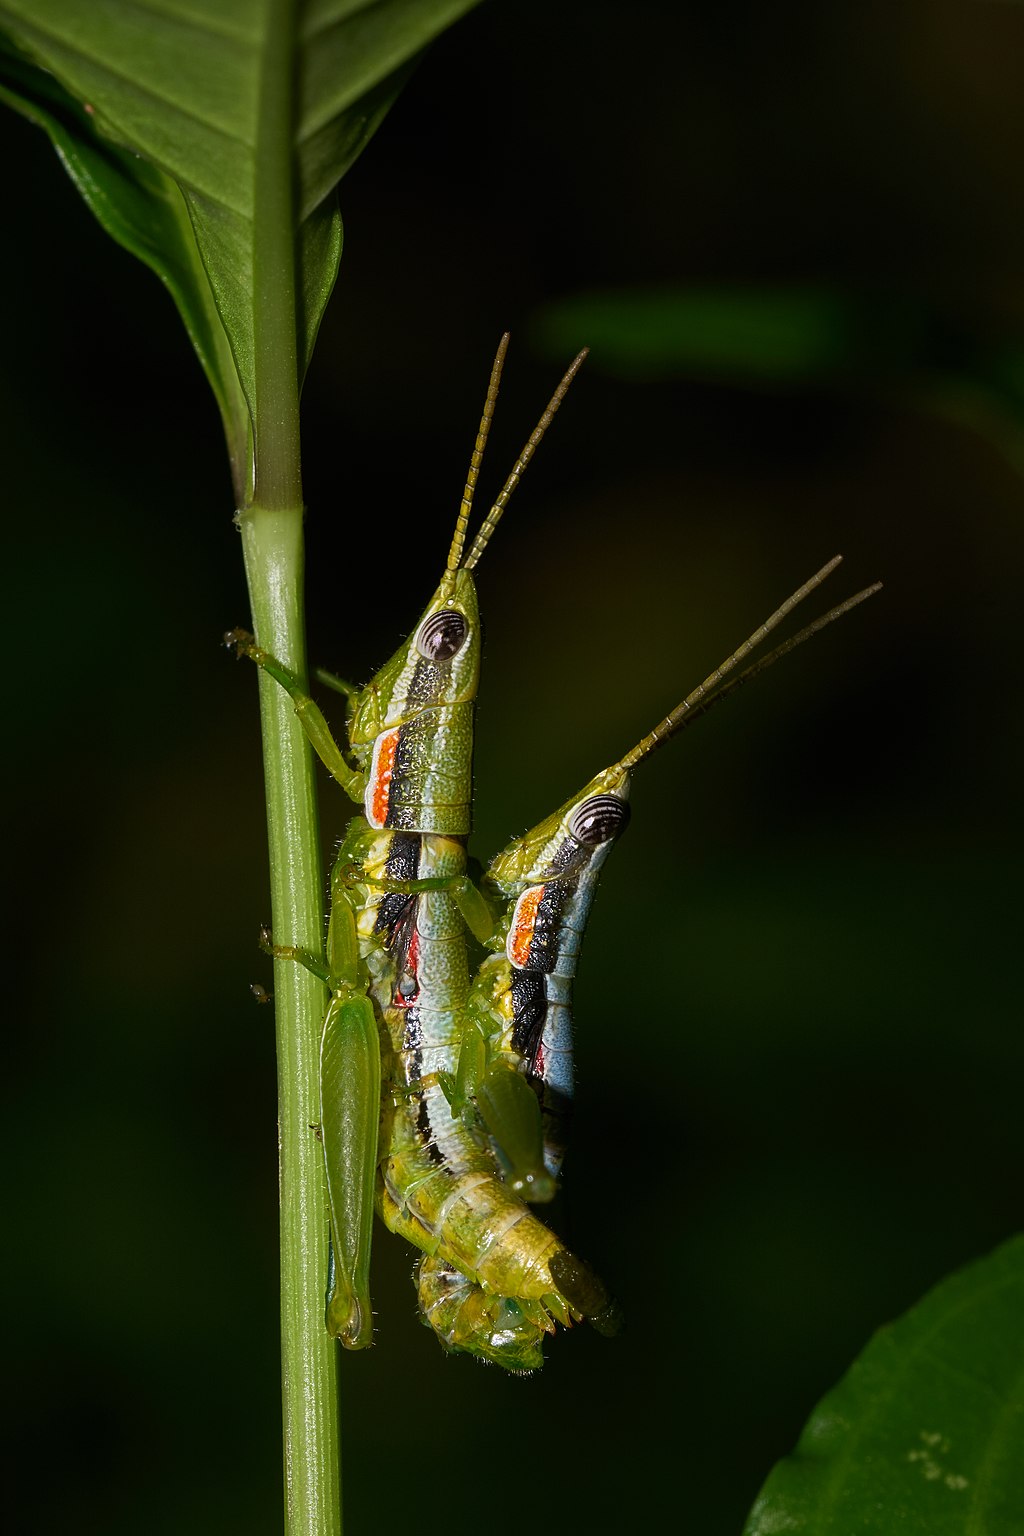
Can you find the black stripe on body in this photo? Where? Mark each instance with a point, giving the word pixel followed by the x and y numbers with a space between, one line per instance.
pixel 412 1040
pixel 426 1130
pixel 428 684
pixel 396 916
pixel 568 858
pixel 529 1014
pixel 404 763
pixel 394 908
pixel 426 690
pixel 547 924
pixel 529 1008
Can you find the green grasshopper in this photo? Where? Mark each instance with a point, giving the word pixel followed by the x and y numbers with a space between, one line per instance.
pixel 396 955
pixel 460 1143
pixel 520 1005
pixel 543 885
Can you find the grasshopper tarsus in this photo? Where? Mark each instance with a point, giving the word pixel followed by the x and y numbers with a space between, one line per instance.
pixel 240 641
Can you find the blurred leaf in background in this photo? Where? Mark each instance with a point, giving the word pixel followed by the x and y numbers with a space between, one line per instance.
pixel 892 346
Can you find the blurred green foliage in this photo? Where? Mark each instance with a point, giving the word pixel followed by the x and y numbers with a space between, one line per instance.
pixel 799 1042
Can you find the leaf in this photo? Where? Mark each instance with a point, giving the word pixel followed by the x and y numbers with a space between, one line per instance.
pixel 142 210
pixel 925 1433
pixel 902 347
pixel 788 335
pixel 241 115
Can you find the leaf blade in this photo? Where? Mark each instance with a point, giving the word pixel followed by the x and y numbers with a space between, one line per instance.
pixel 142 210
pixel 923 1434
pixel 186 86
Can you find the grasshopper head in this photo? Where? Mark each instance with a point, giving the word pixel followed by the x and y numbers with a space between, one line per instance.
pixel 411 728
pixel 577 837
pixel 438 665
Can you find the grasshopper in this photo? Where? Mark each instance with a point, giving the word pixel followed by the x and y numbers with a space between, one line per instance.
pixel 542 886
pixel 519 1029
pixel 476 1079
pixel 397 971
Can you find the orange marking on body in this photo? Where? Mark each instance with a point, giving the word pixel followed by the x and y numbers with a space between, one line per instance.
pixel 379 789
pixel 523 921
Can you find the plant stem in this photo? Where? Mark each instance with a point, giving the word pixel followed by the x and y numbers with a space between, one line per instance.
pixel 272 538
pixel 273 560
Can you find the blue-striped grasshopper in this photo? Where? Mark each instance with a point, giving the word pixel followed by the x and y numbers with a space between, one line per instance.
pixel 397 970
pixel 542 886
pixel 519 1032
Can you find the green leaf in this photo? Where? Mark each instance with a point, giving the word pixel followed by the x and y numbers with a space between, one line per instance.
pixel 209 137
pixel 907 348
pixel 789 335
pixel 925 1433
pixel 142 210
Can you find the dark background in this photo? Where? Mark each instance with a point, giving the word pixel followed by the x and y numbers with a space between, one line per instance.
pixel 798 1027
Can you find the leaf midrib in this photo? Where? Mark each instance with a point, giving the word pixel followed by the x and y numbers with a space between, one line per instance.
pixel 274 314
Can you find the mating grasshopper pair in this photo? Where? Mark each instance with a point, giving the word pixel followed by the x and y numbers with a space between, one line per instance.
pixel 469 1131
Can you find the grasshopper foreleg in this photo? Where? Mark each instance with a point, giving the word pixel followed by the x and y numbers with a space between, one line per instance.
pixel 303 957
pixel 310 715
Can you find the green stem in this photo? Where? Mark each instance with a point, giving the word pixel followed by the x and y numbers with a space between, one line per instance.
pixel 273 560
pixel 271 527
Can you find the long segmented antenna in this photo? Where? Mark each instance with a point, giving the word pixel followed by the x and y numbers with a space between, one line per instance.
pixel 493 517
pixel 777 654
pixel 711 691
pixel 462 522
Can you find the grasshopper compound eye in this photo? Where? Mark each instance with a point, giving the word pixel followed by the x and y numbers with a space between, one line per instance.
pixel 599 819
pixel 442 636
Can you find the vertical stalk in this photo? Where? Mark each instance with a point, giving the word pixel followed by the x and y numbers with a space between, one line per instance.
pixel 272 539
pixel 273 559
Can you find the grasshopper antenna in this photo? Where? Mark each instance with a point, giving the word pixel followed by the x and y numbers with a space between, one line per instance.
pixel 714 688
pixel 779 651
pixel 493 517
pixel 462 522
